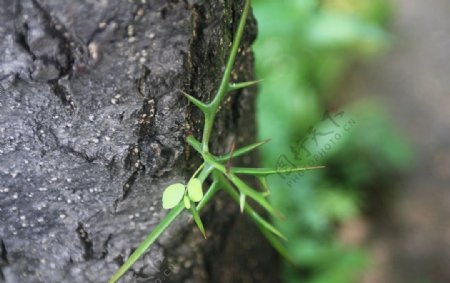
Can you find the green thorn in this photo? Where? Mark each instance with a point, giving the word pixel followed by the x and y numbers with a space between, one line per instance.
pixel 264 185
pixel 242 186
pixel 269 227
pixel 242 151
pixel 277 244
pixel 255 195
pixel 261 222
pixel 198 220
pixel 202 106
pixel 270 171
pixel 236 86
pixel 242 202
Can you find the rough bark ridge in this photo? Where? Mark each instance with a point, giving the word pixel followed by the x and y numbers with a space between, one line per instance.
pixel 92 128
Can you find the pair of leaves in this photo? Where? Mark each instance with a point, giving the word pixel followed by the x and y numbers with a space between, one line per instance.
pixel 174 193
pixel 193 192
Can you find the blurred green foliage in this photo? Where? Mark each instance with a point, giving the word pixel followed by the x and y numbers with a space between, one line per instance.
pixel 303 51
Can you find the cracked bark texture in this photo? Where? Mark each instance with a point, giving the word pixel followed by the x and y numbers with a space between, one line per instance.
pixel 92 128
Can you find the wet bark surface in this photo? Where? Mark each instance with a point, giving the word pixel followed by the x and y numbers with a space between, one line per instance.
pixel 93 127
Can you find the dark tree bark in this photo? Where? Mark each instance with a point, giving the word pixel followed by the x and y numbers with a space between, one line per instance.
pixel 92 128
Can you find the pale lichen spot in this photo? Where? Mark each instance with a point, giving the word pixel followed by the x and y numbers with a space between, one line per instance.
pixel 130 30
pixel 4 190
pixel 93 50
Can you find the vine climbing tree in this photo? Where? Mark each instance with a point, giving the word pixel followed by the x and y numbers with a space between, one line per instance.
pixel 93 127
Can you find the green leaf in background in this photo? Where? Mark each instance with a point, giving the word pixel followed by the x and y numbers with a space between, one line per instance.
pixel 195 190
pixel 304 52
pixel 172 195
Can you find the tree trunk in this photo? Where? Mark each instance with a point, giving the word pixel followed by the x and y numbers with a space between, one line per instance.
pixel 93 127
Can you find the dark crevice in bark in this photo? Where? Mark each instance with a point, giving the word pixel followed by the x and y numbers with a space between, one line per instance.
pixel 4 251
pixel 236 114
pixel 105 247
pixel 133 160
pixel 85 242
pixel 82 155
pixel 21 39
pixel 127 187
pixel 194 120
pixel 61 33
pixel 132 163
pixel 3 258
pixel 119 260
pixel 62 93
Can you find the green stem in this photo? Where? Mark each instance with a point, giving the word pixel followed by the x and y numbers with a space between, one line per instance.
pixel 224 85
pixel 234 50
pixel 262 224
pixel 151 238
pixel 207 129
pixel 243 187
pixel 162 226
pixel 208 195
pixel 198 170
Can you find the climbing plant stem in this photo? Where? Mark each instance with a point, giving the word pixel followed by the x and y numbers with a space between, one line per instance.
pixel 224 85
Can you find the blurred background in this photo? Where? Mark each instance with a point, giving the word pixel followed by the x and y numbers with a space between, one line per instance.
pixel 362 87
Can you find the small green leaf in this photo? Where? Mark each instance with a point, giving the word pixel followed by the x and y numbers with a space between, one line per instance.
pixel 195 190
pixel 197 220
pixel 172 195
pixel 187 202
